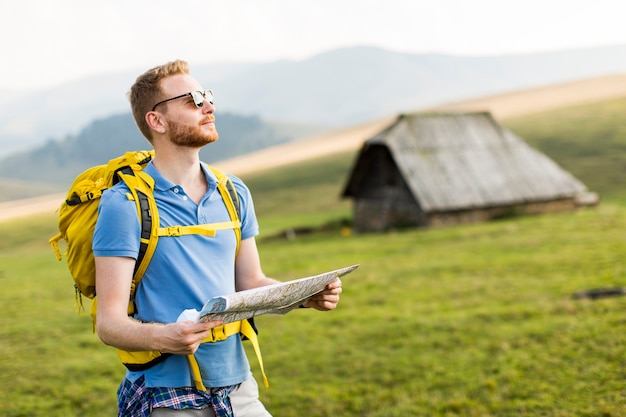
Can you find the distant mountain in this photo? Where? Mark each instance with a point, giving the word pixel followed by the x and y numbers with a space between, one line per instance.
pixel 59 161
pixel 333 89
pixel 353 85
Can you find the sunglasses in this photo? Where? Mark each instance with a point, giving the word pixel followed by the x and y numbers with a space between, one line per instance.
pixel 197 96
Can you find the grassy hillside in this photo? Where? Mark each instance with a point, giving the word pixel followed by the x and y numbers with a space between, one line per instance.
pixel 302 196
pixel 477 320
pixel 587 140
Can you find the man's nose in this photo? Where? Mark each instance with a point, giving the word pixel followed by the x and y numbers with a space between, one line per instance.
pixel 208 107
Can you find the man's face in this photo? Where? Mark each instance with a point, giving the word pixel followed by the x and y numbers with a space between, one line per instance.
pixel 187 125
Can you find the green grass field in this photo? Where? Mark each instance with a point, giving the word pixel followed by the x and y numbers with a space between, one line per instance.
pixel 475 320
pixel 588 140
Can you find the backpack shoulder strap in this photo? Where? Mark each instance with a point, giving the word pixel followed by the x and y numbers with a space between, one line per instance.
pixel 141 187
pixel 231 199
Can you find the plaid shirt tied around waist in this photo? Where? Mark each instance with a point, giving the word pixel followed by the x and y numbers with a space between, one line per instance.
pixel 137 400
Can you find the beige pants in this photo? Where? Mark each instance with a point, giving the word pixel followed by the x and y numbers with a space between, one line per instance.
pixel 245 402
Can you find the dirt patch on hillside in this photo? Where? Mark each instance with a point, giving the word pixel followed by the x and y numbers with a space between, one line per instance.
pixel 29 206
pixel 537 100
pixel 304 149
pixel 502 106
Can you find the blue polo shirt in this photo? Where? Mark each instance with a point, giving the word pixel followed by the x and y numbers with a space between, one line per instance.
pixel 184 272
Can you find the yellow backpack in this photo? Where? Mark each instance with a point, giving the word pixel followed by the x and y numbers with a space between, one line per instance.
pixel 77 220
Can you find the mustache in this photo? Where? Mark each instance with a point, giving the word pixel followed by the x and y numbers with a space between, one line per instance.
pixel 208 119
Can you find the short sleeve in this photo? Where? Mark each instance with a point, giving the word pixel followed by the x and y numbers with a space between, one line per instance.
pixel 117 229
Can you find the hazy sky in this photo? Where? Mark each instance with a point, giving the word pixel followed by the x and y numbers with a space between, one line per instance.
pixel 45 42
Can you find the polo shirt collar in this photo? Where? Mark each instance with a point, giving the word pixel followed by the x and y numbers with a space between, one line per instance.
pixel 163 184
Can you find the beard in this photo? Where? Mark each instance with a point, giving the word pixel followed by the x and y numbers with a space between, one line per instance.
pixel 191 136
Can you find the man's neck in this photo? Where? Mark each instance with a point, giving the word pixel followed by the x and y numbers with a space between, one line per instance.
pixel 182 167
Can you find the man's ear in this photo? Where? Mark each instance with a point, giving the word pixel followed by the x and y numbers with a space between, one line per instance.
pixel 155 121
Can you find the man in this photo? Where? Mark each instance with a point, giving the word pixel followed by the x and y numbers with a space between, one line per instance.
pixel 176 116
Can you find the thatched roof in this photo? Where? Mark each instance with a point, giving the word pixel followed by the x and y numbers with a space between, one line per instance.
pixel 459 161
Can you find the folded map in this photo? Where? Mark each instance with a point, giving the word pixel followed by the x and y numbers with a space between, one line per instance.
pixel 278 298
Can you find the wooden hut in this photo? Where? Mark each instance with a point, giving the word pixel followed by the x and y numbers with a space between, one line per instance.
pixel 431 169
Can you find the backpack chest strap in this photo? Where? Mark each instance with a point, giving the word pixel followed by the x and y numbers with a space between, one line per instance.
pixel 197 229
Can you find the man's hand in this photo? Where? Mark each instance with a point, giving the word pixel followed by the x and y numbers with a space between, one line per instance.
pixel 184 338
pixel 327 299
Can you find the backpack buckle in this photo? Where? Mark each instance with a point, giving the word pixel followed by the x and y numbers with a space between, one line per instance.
pixel 218 333
pixel 173 231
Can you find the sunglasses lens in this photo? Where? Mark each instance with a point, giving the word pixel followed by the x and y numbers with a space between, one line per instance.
pixel 200 96
pixel 208 95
